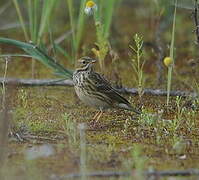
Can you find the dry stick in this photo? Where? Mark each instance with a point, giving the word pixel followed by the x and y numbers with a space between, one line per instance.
pixel 196 20
pixel 188 172
pixel 124 90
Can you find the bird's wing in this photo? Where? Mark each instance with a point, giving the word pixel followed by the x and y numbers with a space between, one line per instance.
pixel 103 86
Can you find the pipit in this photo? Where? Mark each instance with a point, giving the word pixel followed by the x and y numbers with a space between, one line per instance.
pixel 94 90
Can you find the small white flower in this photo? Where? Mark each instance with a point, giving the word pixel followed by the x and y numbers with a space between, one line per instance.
pixel 90 8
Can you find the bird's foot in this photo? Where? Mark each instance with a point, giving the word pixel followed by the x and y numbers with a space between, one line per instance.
pixel 94 124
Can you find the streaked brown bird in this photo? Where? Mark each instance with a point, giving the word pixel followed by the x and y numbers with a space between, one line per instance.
pixel 94 90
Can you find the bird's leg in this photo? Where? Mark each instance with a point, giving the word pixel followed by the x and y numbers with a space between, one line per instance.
pixel 96 115
pixel 96 118
pixel 100 114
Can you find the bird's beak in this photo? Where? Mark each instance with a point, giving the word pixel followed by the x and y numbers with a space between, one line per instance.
pixel 93 61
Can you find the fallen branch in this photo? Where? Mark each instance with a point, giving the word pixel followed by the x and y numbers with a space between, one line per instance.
pixel 37 82
pixel 187 172
pixel 124 90
pixel 154 173
pixel 157 92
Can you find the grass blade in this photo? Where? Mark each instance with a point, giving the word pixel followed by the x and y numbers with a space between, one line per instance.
pixel 21 19
pixel 41 56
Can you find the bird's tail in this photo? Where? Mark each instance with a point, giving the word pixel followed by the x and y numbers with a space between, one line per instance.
pixel 128 107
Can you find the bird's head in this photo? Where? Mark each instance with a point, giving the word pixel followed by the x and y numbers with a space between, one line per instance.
pixel 86 62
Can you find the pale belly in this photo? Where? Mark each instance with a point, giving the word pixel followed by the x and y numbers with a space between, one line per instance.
pixel 91 100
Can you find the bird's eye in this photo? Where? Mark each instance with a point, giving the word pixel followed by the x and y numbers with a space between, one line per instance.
pixel 83 62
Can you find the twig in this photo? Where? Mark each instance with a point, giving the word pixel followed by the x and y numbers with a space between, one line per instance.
pixel 124 90
pixel 188 172
pixel 196 20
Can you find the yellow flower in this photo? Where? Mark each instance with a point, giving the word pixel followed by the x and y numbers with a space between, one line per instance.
pixel 90 4
pixel 168 61
pixel 90 7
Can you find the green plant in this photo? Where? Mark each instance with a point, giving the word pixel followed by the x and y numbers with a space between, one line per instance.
pixel 23 117
pixel 103 12
pixel 38 20
pixel 70 129
pixel 175 123
pixel 36 52
pixel 77 25
pixel 180 108
pixel 138 63
pixel 21 19
pixel 171 54
pixel 191 119
pixel 21 110
pixel 147 119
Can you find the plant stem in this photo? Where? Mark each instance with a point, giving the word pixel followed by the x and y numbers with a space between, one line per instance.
pixel 169 83
pixel 21 19
pixel 170 68
pixel 80 23
pixel 72 24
